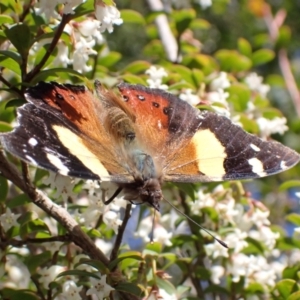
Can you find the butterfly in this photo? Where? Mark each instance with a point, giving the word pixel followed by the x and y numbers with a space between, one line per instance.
pixel 137 137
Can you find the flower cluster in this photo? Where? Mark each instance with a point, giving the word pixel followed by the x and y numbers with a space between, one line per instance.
pixel 242 225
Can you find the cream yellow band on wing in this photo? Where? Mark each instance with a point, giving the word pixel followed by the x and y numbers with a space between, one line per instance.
pixel 210 153
pixel 76 147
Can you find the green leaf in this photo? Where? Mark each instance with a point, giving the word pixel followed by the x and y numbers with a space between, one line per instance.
pixel 284 37
pixel 77 273
pixel 5 19
pixel 33 226
pixel 13 294
pixel 131 16
pixel 198 77
pixel 84 9
pixel 183 19
pixel 20 37
pixel 187 188
pixel 291 272
pixel 294 296
pixel 133 79
pixel 97 264
pixel 109 60
pixel 165 285
pixel 128 287
pixel 232 61
pixel 55 73
pixel 244 47
pixel 139 66
pixel 286 287
pixel 13 55
pixel 19 200
pixel 115 262
pixel 239 96
pixel 15 103
pixel 184 73
pixel 289 184
pixel 9 63
pixel 153 248
pixel 5 127
pixel 262 56
pixel 42 52
pixel 34 261
pixel 200 24
pixel 3 189
pixel 293 218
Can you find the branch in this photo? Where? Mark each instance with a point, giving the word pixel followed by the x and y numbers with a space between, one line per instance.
pixel 121 230
pixel 58 33
pixel 167 38
pixel 58 213
pixel 20 243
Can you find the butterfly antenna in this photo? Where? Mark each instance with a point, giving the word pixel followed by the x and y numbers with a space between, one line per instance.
pixel 153 224
pixel 194 222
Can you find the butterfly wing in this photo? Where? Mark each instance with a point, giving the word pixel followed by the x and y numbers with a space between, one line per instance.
pixel 60 129
pixel 189 146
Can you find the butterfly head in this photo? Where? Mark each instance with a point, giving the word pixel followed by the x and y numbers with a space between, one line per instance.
pixel 151 193
pixel 147 191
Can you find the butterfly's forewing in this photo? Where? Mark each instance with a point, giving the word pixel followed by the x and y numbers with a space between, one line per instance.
pixel 61 130
pixel 191 146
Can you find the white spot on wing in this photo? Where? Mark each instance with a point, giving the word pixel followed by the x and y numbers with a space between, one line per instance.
pixel 55 161
pixel 31 160
pixel 254 147
pixel 283 166
pixel 257 166
pixel 33 142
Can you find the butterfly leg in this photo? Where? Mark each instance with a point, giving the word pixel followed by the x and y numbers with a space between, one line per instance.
pixel 115 194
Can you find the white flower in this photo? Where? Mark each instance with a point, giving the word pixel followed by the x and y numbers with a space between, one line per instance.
pixel 99 288
pixel 236 240
pixel 216 273
pixel 162 236
pixel 156 75
pixel 189 97
pixel 221 82
pixel 255 84
pixel 204 200
pixel 64 185
pixel 297 232
pixel 216 250
pixel 218 96
pixel 227 210
pixel 52 246
pixel 18 275
pixel 104 246
pixel 48 8
pixel 49 274
pixel 69 5
pixel 62 56
pixel 266 236
pixel 71 290
pixel 205 3
pixel 90 28
pixel 112 220
pixel 83 49
pixel 238 266
pixel 268 127
pixel 260 218
pixel 9 219
pixel 107 15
